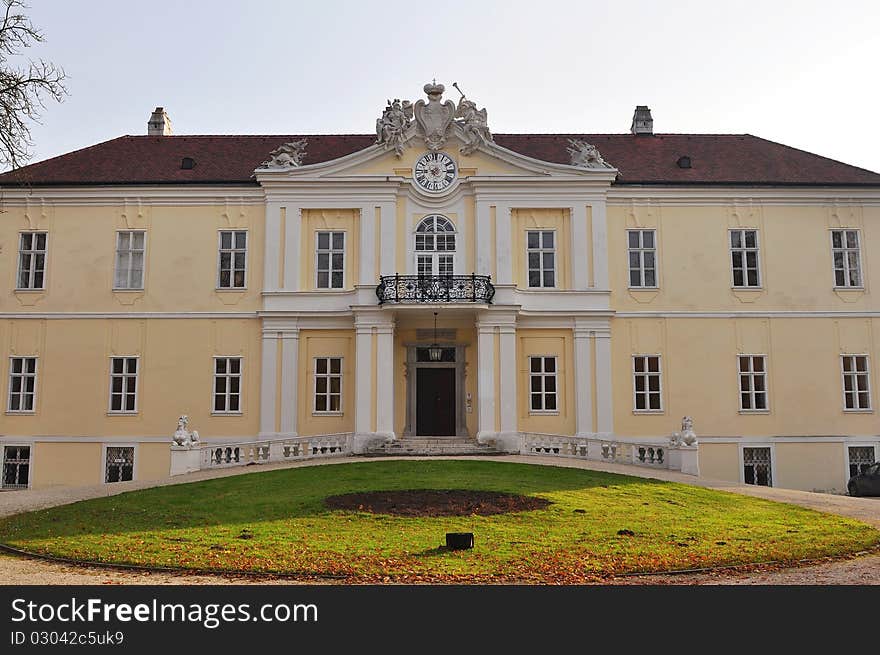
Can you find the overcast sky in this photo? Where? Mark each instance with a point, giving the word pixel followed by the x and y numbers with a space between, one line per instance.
pixel 802 73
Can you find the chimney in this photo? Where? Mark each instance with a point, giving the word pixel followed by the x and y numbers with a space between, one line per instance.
pixel 159 123
pixel 642 121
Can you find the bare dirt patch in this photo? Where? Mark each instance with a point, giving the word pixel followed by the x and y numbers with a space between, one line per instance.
pixel 430 502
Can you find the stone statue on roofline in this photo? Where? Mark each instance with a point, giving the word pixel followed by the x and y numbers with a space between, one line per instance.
pixel 585 155
pixel 289 155
pixel 473 122
pixel 392 126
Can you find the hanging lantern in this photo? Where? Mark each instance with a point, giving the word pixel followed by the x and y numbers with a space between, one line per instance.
pixel 435 352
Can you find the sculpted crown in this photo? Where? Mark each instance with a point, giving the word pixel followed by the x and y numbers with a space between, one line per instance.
pixel 434 89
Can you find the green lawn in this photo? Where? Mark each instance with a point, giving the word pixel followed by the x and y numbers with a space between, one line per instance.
pixel 276 522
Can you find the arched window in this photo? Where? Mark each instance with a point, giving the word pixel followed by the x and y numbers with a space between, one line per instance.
pixel 435 246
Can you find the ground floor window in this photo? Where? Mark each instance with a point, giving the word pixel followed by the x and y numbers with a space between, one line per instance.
pixel 752 383
pixel 119 466
pixel 757 466
pixel 22 384
pixel 860 458
pixel 328 384
pixel 646 383
pixel 856 387
pixel 123 384
pixel 16 467
pixel 542 372
pixel 227 384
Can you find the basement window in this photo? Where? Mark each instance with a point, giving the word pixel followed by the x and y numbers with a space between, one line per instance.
pixel 757 467
pixel 119 466
pixel 16 467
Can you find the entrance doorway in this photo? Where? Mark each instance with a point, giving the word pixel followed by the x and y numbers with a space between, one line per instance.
pixel 435 402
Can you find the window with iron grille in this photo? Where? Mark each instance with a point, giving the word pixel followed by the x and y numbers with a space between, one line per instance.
pixel 860 458
pixel 328 385
pixel 541 255
pixel 856 382
pixel 757 467
pixel 123 384
pixel 32 260
pixel 744 258
pixel 129 260
pixel 232 266
pixel 119 466
pixel 22 384
pixel 647 394
pixel 16 467
pixel 847 258
pixel 330 260
pixel 227 385
pixel 642 251
pixel 542 384
pixel 752 383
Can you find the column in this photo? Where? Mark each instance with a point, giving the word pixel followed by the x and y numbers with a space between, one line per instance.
pixel 486 381
pixel 289 381
pixel 272 249
pixel 269 372
pixel 483 247
pixel 579 274
pixel 583 383
pixel 509 376
pixel 385 380
pixel 604 407
pixel 504 263
pixel 600 246
pixel 363 377
pixel 292 232
pixel 388 243
pixel 367 246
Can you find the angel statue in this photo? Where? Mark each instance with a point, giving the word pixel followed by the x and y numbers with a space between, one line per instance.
pixel 585 155
pixel 474 125
pixel 391 127
pixel 288 155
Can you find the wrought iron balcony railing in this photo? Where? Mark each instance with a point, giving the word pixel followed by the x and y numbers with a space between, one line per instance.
pixel 434 288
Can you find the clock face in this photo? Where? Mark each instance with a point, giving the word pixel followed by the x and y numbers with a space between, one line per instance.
pixel 435 171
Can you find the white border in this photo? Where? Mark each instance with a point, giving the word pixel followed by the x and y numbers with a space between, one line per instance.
pixel 854 410
pixel 773 467
pixel 632 369
pixel 240 412
pixel 45 262
pixel 315 410
pixel 543 412
pixel 834 285
pixel 330 251
pixel 137 387
pixel 143 286
pixel 857 444
pixel 247 249
pixel 739 390
pixel 641 249
pixel 542 250
pixel 21 412
pixel 33 449
pixel 134 460
pixel 744 250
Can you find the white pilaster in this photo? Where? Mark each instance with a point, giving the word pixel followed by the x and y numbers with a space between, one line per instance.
pixel 583 382
pixel 367 245
pixel 289 381
pixel 272 246
pixel 269 371
pixel 604 406
pixel 580 278
pixel 483 247
pixel 508 365
pixel 363 377
pixel 388 242
pixel 600 245
pixel 292 230
pixel 503 259
pixel 385 380
pixel 486 381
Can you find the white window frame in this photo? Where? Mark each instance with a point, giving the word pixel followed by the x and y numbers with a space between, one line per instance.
pixel 846 250
pixel 21 393
pixel 233 250
pixel 854 375
pixel 646 374
pixel 541 250
pixel 641 250
pixel 436 254
pixel 32 268
pixel 19 444
pixel 543 374
pixel 742 461
pixel 125 375
pixel 327 394
pixel 751 392
pixel 330 252
pixel 846 462
pixel 130 251
pixel 227 394
pixel 134 461
pixel 743 249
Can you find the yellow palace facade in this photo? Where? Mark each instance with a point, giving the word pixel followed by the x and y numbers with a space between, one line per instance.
pixel 434 281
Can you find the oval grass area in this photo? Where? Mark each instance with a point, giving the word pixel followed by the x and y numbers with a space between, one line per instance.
pixel 597 524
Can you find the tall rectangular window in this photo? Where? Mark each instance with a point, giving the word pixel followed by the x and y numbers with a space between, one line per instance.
pixel 642 251
pixel 232 259
pixel 758 466
pixel 859 459
pixel 16 467
pixel 22 384
pixel 330 260
pixel 752 383
pixel 119 465
pixel 542 384
pixel 647 392
pixel 856 382
pixel 541 255
pixel 32 260
pixel 129 260
pixel 744 258
pixel 227 385
pixel 123 384
pixel 847 258
pixel 328 385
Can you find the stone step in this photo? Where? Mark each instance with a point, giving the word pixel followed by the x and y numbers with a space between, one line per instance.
pixel 426 446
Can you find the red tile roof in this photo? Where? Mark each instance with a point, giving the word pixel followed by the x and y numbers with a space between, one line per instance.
pixel 736 159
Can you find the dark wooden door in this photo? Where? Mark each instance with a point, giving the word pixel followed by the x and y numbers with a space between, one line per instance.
pixel 435 402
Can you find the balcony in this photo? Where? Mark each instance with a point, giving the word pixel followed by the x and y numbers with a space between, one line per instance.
pixel 434 288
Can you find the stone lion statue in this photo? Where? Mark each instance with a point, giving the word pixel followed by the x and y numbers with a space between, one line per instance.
pixel 183 436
